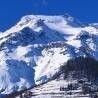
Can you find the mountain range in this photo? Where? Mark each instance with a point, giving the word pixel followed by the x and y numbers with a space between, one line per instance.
pixel 38 46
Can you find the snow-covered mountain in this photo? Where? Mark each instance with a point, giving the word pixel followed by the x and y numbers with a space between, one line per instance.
pixel 33 50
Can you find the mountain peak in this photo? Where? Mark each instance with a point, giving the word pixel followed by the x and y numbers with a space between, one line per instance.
pixel 33 50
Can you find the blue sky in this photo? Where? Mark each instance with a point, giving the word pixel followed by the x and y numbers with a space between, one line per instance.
pixel 12 10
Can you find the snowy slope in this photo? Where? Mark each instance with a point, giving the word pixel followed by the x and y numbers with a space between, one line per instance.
pixel 33 50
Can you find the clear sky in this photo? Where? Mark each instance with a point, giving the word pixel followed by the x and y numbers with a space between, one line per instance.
pixel 12 10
